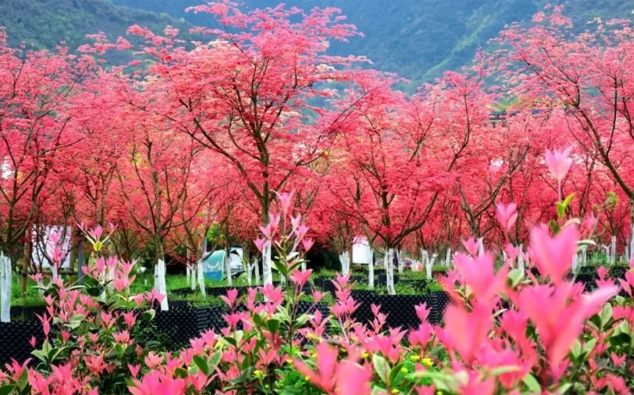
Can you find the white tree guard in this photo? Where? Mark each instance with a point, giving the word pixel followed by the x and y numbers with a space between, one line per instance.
pixel 249 273
pixel 631 244
pixel 160 284
pixel 5 288
pixel 54 274
pixel 399 261
pixel 481 246
pixel 228 268
pixel 256 268
pixel 424 256
pixel 389 257
pixel 201 278
pixel 267 272
pixel 575 263
pixel 430 265
pixel 448 257
pixel 193 276
pixel 371 270
pixel 344 259
pixel 613 251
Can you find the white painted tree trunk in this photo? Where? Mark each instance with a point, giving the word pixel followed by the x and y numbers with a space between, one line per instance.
pixel 193 273
pixel 520 261
pixel 188 274
pixel 371 271
pixel 249 273
pixel 267 273
pixel 448 257
pixel 430 266
pixel 228 268
pixel 160 284
pixel 201 278
pixel 256 268
pixel 575 263
pixel 481 246
pixel 631 244
pixel 54 274
pixel 613 251
pixel 389 257
pixel 303 266
pixel 344 259
pixel 424 256
pixel 584 256
pixel 5 288
pixel 399 261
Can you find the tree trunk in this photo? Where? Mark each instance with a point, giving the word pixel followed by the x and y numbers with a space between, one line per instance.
pixel 160 284
pixel 448 257
pixel 228 266
pixel 26 264
pixel 256 267
pixel 5 288
pixel 201 278
pixel 389 256
pixel 371 271
pixel 267 272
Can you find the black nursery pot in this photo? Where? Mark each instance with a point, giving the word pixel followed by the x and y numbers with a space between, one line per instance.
pixel 15 339
pixel 400 309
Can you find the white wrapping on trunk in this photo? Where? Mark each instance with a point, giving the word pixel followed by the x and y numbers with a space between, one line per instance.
pixel 5 288
pixel 389 256
pixel 201 278
pixel 371 271
pixel 266 265
pixel 160 285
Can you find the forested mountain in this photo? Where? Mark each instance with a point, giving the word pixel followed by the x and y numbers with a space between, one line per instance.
pixel 418 39
pixel 46 23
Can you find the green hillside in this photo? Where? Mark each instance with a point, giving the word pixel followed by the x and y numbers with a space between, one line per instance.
pixel 45 23
pixel 418 39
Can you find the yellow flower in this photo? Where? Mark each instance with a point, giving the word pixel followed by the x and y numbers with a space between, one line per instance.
pixel 365 354
pixel 438 392
pixel 404 370
pixel 428 362
pixel 314 355
pixel 414 358
pixel 258 374
pixel 289 361
pixel 306 378
pixel 395 391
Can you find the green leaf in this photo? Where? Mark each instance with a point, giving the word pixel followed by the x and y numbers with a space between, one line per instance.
pixel 587 348
pixel 393 373
pixel 516 275
pixel 532 384
pixel 606 314
pixel 148 315
pixel 6 389
pixel 504 369
pixel 214 360
pixel 565 387
pixel 576 349
pixel 202 364
pixel 273 325
pixel 381 367
pixel 376 390
pixel 181 373
pixel 562 206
